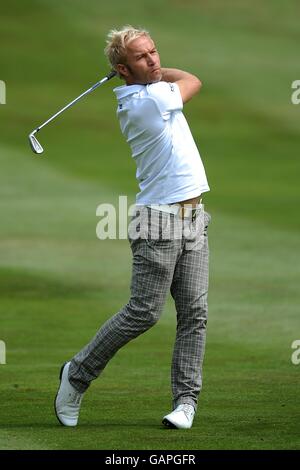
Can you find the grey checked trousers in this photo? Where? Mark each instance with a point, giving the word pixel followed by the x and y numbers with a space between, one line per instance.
pixel 169 254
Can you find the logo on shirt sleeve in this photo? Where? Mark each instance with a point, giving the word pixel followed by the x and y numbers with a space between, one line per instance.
pixel 172 86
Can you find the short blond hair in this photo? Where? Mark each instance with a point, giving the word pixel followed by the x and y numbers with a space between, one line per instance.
pixel 116 43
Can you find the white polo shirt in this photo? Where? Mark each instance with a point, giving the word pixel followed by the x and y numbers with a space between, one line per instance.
pixel 169 166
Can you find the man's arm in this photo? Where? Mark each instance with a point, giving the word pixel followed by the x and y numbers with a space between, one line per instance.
pixel 188 84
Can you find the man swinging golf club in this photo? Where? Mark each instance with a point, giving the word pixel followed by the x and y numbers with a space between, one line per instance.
pixel 168 232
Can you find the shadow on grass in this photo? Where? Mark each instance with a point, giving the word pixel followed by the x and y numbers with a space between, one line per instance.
pixel 85 426
pixel 21 283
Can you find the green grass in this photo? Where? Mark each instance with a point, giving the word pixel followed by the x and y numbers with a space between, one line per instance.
pixel 58 283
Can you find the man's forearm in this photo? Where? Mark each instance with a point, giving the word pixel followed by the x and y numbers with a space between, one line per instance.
pixel 173 75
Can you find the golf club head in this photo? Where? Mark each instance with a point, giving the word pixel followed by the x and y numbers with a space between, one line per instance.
pixel 34 144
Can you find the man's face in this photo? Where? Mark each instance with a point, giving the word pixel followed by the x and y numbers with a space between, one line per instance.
pixel 142 62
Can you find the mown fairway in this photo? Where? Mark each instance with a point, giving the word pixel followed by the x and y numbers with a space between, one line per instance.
pixel 58 282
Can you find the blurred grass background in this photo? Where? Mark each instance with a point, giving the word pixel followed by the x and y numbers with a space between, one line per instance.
pixel 58 283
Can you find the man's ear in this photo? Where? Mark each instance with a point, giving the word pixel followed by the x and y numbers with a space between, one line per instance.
pixel 122 70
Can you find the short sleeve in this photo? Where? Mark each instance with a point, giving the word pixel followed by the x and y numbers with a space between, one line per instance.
pixel 167 96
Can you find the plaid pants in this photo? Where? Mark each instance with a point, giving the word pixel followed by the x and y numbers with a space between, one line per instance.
pixel 169 254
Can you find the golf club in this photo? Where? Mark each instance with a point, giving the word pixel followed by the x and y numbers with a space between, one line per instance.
pixel 34 143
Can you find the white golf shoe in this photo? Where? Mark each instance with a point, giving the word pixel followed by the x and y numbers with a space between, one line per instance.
pixel 68 400
pixel 181 418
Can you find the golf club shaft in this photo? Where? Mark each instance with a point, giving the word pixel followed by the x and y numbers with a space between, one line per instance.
pixel 105 79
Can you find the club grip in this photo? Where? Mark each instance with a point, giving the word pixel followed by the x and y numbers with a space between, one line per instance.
pixel 111 74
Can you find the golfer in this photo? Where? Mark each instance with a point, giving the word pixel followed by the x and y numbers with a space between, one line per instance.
pixel 167 232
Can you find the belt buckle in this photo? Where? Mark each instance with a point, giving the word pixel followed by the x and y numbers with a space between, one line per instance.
pixel 188 212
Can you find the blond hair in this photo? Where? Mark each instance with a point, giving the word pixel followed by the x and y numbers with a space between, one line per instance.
pixel 116 43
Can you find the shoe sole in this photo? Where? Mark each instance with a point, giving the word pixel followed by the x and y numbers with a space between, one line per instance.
pixel 60 377
pixel 168 424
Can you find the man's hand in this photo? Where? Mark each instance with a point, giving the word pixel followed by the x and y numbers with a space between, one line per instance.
pixel 189 84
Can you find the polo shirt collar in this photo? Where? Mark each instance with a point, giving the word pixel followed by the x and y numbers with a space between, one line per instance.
pixel 126 90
